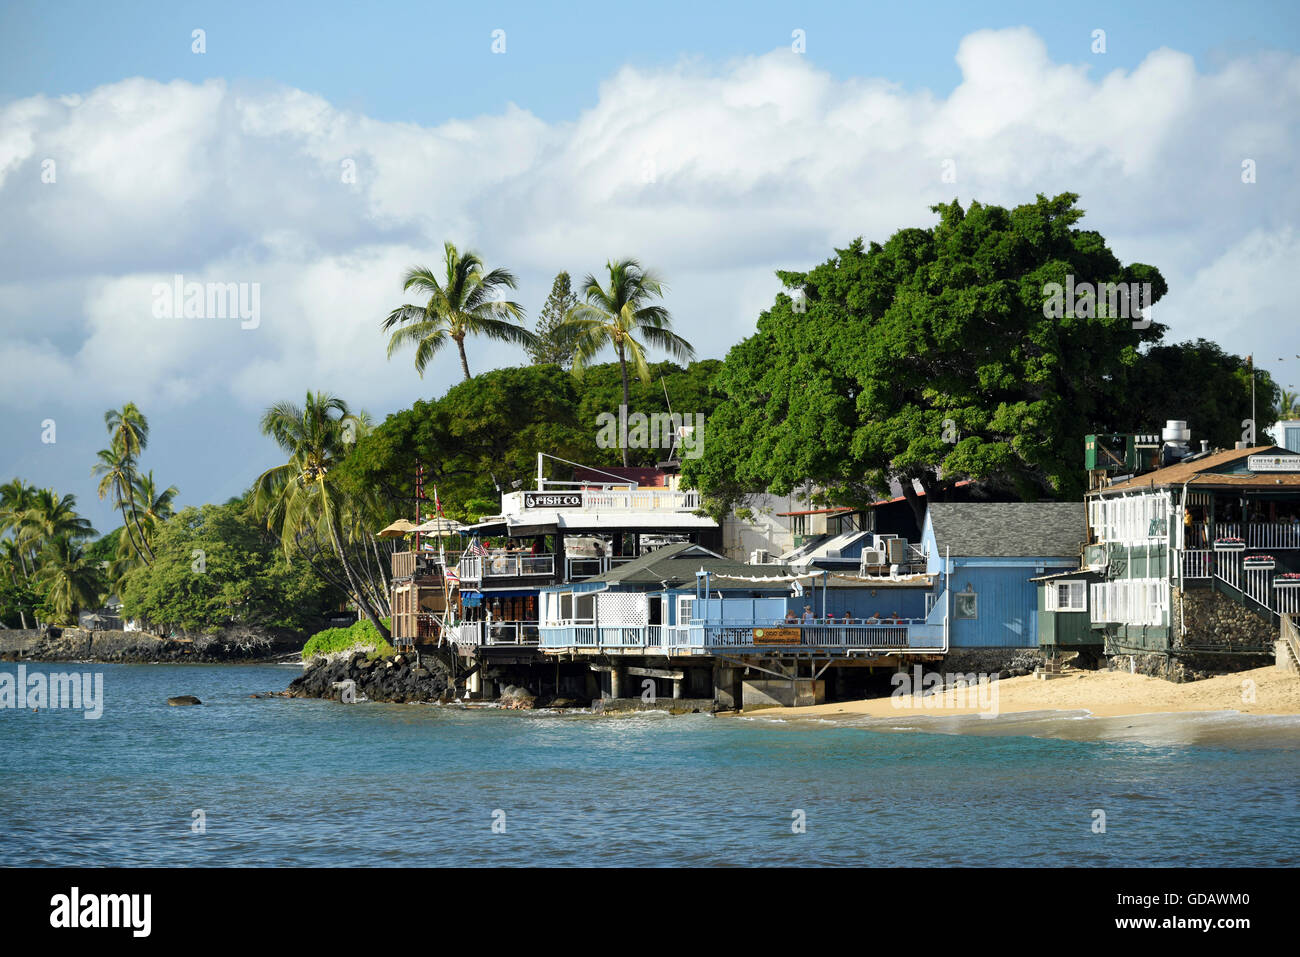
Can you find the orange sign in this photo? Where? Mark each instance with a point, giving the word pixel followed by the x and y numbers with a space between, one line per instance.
pixel 777 636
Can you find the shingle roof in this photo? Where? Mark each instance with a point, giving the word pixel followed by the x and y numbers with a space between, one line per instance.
pixel 677 564
pixel 1196 472
pixel 1009 529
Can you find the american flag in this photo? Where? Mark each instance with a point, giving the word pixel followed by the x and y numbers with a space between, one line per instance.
pixel 476 548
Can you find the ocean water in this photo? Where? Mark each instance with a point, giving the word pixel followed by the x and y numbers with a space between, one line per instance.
pixel 303 782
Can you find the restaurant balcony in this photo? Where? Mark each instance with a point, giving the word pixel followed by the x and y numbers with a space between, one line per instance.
pixel 755 636
pixel 469 635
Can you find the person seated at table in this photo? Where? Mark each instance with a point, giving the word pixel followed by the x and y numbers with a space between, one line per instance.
pixel 807 614
pixel 874 619
pixel 791 618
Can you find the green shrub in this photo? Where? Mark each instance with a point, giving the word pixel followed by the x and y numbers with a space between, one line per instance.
pixel 332 640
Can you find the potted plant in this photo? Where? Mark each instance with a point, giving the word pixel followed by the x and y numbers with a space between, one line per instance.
pixel 1259 562
pixel 1229 544
pixel 1287 580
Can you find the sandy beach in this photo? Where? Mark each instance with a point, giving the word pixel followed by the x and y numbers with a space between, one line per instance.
pixel 1104 694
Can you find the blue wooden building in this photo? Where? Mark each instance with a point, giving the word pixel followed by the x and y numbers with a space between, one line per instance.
pixel 993 551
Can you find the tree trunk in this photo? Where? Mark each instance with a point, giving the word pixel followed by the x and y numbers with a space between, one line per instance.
pixel 358 593
pixel 915 501
pixel 464 363
pixel 627 400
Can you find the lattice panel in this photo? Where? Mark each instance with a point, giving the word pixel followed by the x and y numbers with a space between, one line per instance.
pixel 626 609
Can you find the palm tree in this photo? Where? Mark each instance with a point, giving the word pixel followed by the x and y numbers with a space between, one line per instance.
pixel 128 431
pixel 463 303
pixel 69 580
pixel 16 499
pixel 52 518
pixel 155 507
pixel 302 498
pixel 13 566
pixel 1290 405
pixel 615 315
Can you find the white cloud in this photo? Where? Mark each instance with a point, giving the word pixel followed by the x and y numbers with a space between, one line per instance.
pixel 716 174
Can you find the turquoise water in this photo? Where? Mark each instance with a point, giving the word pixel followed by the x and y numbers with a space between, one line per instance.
pixel 297 782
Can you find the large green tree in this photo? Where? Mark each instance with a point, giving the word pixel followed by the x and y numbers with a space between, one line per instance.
pixel 932 358
pixel 215 566
pixel 463 301
pixel 1202 384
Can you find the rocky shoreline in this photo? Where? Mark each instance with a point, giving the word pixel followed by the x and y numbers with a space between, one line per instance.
pixel 400 679
pixel 137 647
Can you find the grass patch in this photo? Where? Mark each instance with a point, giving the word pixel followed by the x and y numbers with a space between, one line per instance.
pixel 333 640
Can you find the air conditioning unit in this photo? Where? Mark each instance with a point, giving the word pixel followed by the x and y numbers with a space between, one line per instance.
pixel 760 556
pixel 872 557
pixel 898 551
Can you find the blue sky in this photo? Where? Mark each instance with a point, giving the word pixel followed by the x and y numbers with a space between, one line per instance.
pixel 427 62
pixel 687 134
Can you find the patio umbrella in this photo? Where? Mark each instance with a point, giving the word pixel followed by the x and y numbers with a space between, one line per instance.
pixel 398 529
pixel 440 526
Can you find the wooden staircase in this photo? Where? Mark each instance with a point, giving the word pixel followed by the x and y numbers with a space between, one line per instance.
pixel 1288 646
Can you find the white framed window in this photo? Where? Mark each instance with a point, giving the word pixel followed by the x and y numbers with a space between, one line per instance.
pixel 1131 601
pixel 1067 596
pixel 684 605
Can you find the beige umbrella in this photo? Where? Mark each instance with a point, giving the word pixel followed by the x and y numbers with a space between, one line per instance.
pixel 398 529
pixel 440 526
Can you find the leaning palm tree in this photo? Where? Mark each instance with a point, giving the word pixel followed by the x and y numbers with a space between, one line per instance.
pixel 68 579
pixel 302 500
pixel 1290 405
pixel 128 432
pixel 615 315
pixel 462 302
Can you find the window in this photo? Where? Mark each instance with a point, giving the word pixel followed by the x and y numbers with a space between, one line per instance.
pixel 684 606
pixel 965 604
pixel 1066 596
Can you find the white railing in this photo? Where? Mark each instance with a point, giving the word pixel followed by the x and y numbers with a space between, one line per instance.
pixel 1198 563
pixel 579 567
pixel 1258 534
pixel 892 635
pixel 659 638
pixel 467 634
pixel 511 633
pixel 521 565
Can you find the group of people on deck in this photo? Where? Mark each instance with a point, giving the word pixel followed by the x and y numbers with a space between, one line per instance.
pixel 793 618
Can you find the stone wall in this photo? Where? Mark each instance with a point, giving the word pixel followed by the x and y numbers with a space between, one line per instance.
pixel 1187 666
pixel 990 661
pixel 1215 622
